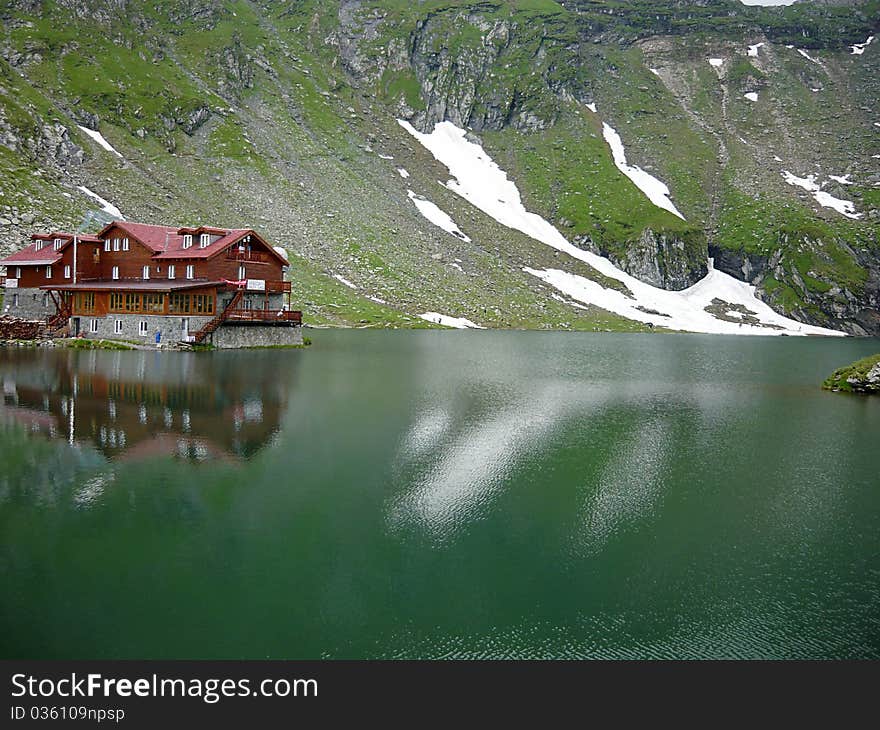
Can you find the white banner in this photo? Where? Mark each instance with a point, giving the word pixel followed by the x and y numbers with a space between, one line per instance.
pixel 12 283
pixel 256 285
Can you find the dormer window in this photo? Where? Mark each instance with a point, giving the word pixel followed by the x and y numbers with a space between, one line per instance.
pixel 39 245
pixel 204 240
pixel 58 243
pixel 187 240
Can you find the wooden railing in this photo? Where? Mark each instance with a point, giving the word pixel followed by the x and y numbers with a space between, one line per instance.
pixel 260 257
pixel 264 315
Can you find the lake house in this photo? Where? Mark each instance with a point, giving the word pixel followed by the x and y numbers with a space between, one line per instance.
pixel 140 282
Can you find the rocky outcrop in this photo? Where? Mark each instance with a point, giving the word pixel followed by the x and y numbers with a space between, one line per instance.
pixel 825 303
pixel 862 376
pixel 662 259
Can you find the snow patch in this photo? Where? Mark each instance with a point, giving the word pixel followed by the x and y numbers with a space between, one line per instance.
pixel 808 56
pixel 685 310
pixel 343 280
pixel 751 96
pixel 402 172
pixel 106 205
pixel 385 157
pixel 99 138
pixel 438 217
pixel 842 180
pixel 654 189
pixel 654 71
pixel 459 323
pixel 777 158
pixel 859 48
pixel 844 207
pixel 592 107
pixel 753 50
pixel 826 200
pixel 479 180
pixel 377 300
pixel 716 62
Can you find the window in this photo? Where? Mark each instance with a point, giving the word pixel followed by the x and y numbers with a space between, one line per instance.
pixel 115 272
pixel 203 303
pixel 115 244
pixel 15 300
pixel 84 302
pixel 125 244
pixel 142 328
pixel 132 302
pixel 117 301
pixel 191 271
pixel 187 240
pixel 107 244
pixel 93 325
pixel 48 272
pixel 58 243
pixel 67 272
pixel 178 303
pixel 18 272
pixel 170 271
pixel 204 240
pixel 153 303
pixel 39 245
pixel 241 273
pixel 117 327
pixel 146 272
pixel 45 300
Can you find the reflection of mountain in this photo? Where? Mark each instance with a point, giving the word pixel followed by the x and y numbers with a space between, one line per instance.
pixel 138 405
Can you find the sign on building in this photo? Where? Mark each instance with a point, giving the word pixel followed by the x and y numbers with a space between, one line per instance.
pixel 256 285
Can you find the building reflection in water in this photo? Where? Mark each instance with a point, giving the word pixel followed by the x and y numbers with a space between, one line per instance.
pixel 146 404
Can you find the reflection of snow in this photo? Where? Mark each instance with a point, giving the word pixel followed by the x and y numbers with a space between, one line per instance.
pixel 253 410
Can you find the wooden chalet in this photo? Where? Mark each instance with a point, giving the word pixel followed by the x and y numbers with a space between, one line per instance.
pixel 142 281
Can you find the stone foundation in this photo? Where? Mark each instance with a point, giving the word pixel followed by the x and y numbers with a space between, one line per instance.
pixel 28 303
pixel 171 328
pixel 255 334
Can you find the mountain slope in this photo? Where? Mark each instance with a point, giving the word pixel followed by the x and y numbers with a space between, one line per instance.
pixel 284 117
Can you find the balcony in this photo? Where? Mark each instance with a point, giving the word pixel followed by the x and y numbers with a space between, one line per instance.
pixel 272 287
pixel 263 315
pixel 254 257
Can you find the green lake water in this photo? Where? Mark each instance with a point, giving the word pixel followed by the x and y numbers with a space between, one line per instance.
pixel 441 494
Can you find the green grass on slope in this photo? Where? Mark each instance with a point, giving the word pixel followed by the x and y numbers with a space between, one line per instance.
pixel 567 173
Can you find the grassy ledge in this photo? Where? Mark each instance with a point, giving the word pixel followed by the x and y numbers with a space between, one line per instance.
pixel 863 376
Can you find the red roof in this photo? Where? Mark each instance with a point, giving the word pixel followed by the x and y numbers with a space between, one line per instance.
pixel 155 238
pixel 167 243
pixel 30 256
pixel 177 251
pixel 68 237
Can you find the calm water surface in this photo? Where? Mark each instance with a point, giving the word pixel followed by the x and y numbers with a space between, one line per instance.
pixel 434 494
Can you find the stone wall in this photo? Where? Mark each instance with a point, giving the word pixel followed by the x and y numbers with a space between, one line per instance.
pixel 254 334
pixel 170 327
pixel 28 303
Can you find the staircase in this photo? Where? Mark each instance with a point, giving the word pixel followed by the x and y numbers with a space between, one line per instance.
pixel 57 324
pixel 211 326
